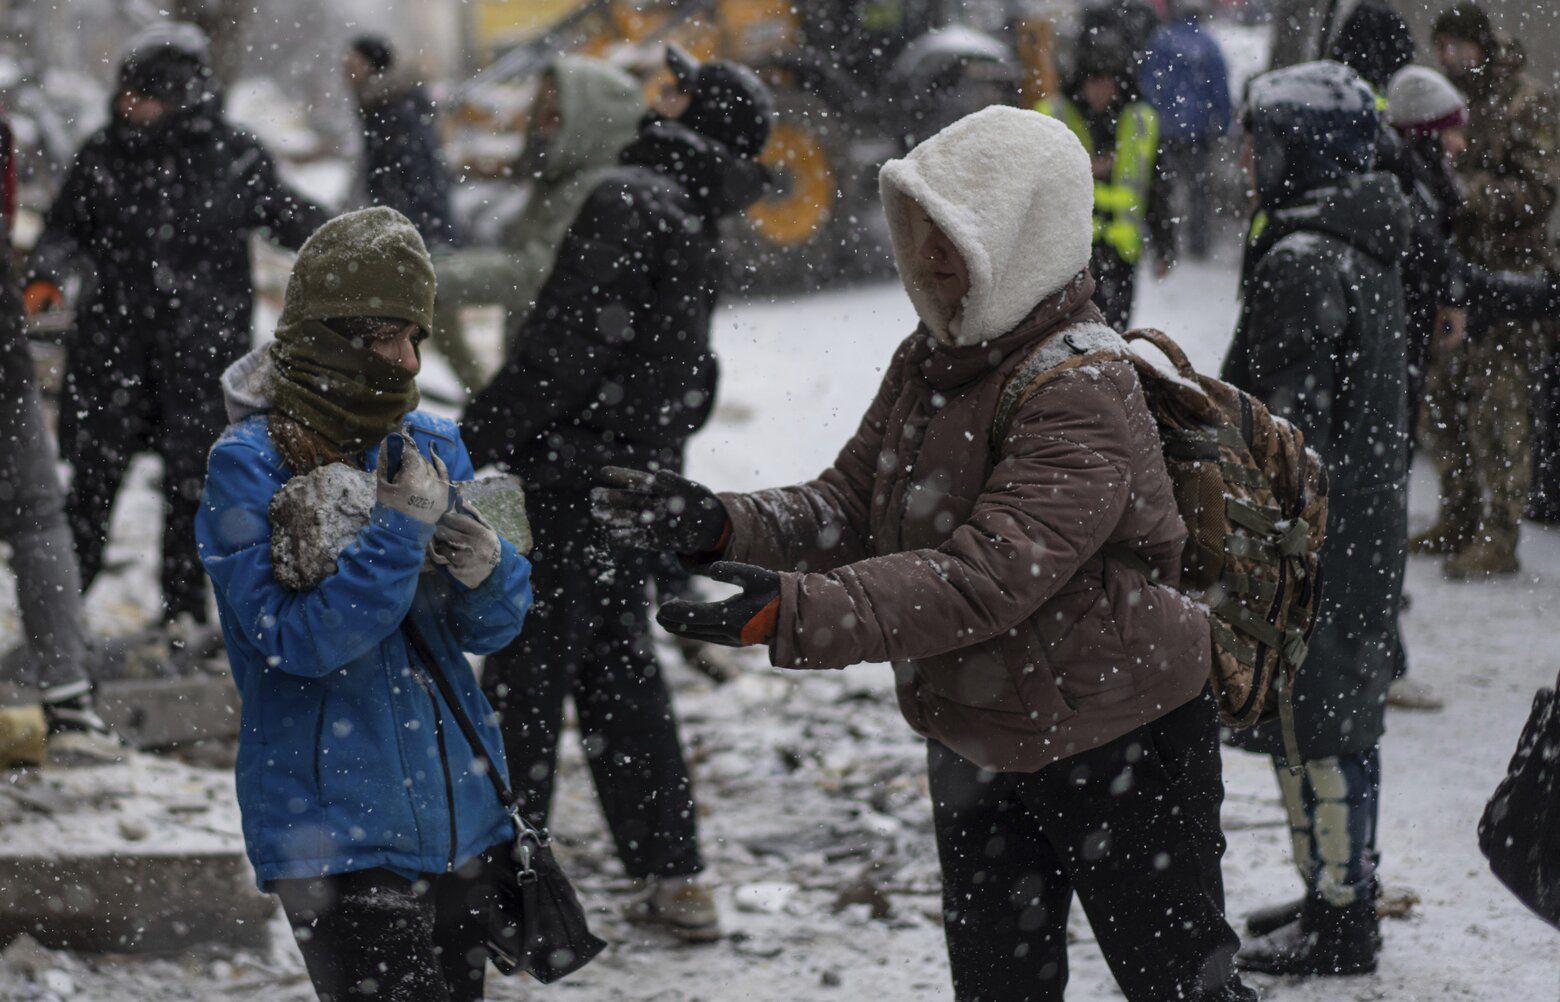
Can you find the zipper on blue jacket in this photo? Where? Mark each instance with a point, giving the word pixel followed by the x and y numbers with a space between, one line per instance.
pixel 426 682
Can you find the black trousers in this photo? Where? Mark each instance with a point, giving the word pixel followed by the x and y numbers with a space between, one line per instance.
pixel 1189 168
pixel 148 405
pixel 587 636
pixel 1115 286
pixel 372 934
pixel 1132 827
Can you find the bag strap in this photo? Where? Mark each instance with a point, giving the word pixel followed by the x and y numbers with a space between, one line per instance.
pixel 468 730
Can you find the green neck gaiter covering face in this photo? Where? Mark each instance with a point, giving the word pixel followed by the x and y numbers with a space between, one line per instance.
pixel 341 391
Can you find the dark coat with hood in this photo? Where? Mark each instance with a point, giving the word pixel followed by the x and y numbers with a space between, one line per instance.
pixel 1321 342
pixel 976 567
pixel 402 166
pixel 162 217
pixel 614 364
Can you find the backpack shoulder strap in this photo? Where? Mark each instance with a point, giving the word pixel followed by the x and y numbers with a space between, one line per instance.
pixel 1054 356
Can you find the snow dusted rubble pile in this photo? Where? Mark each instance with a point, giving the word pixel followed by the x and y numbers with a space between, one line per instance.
pixel 317 515
pixel 141 855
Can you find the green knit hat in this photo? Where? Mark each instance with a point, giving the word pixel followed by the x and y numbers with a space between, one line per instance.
pixel 369 263
pixel 1469 22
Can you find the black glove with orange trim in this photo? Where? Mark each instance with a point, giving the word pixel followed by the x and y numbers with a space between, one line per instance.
pixel 748 618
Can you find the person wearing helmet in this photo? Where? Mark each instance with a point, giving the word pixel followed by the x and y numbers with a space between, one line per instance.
pixel 160 205
pixel 614 367
pixel 1321 341
pixel 1121 133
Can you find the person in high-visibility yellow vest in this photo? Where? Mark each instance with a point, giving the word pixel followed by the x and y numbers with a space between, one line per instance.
pixel 1121 135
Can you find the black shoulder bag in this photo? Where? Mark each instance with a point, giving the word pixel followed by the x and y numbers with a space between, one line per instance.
pixel 535 921
pixel 1520 830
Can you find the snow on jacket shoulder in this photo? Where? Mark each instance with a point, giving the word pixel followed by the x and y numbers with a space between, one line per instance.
pixel 348 758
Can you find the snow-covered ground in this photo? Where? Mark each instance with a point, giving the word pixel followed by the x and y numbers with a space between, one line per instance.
pixel 810 784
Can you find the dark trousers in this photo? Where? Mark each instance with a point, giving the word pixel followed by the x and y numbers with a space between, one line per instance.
pixel 141 410
pixel 1115 286
pixel 1188 168
pixel 588 637
pixel 1545 504
pixel 1333 805
pixel 372 934
pixel 1132 827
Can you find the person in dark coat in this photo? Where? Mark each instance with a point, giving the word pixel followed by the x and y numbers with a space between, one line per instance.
pixel 1184 78
pixel 1321 341
pixel 160 204
pixel 1370 38
pixel 614 368
pixel 402 166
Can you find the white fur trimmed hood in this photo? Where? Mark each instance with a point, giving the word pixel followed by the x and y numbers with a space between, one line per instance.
pixel 1014 191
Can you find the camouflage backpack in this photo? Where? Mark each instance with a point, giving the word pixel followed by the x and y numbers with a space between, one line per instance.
pixel 1254 500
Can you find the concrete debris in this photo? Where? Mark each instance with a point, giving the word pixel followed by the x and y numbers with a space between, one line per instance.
pixel 317 515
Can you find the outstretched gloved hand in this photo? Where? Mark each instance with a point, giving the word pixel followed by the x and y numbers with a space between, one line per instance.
pixel 467 546
pixel 748 618
pixel 411 484
pixel 658 511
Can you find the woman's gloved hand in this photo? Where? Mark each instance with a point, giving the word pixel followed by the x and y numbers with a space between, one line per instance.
pixel 748 618
pixel 411 484
pixel 658 511
pixel 466 546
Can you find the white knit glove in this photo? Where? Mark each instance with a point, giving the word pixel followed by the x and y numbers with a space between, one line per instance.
pixel 466 545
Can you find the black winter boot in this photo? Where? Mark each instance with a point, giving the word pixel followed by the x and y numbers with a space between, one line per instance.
pixel 1325 941
pixel 1274 917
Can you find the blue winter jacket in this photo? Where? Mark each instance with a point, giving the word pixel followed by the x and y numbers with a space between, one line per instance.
pixel 1184 78
pixel 348 758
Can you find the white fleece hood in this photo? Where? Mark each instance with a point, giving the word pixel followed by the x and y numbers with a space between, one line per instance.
pixel 1014 191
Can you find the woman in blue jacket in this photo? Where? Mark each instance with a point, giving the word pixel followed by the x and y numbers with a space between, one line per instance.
pixel 364 809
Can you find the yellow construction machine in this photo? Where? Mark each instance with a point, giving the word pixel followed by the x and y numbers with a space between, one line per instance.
pixel 856 82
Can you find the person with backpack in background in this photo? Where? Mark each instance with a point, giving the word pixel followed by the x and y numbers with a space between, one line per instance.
pixel 160 205
pixel 1184 79
pixel 1321 342
pixel 363 809
pixel 1121 134
pixel 1480 391
pixel 614 366
pixel 1072 738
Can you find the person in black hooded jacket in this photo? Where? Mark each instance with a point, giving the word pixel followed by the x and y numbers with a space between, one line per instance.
pixel 402 167
pixel 613 367
pixel 1321 342
pixel 160 204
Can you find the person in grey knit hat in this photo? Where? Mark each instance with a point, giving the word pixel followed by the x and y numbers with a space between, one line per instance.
pixel 361 812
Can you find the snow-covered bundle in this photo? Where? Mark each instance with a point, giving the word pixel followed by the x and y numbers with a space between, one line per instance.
pixel 319 514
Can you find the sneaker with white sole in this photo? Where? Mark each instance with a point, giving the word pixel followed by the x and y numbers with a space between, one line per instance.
pixel 684 906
